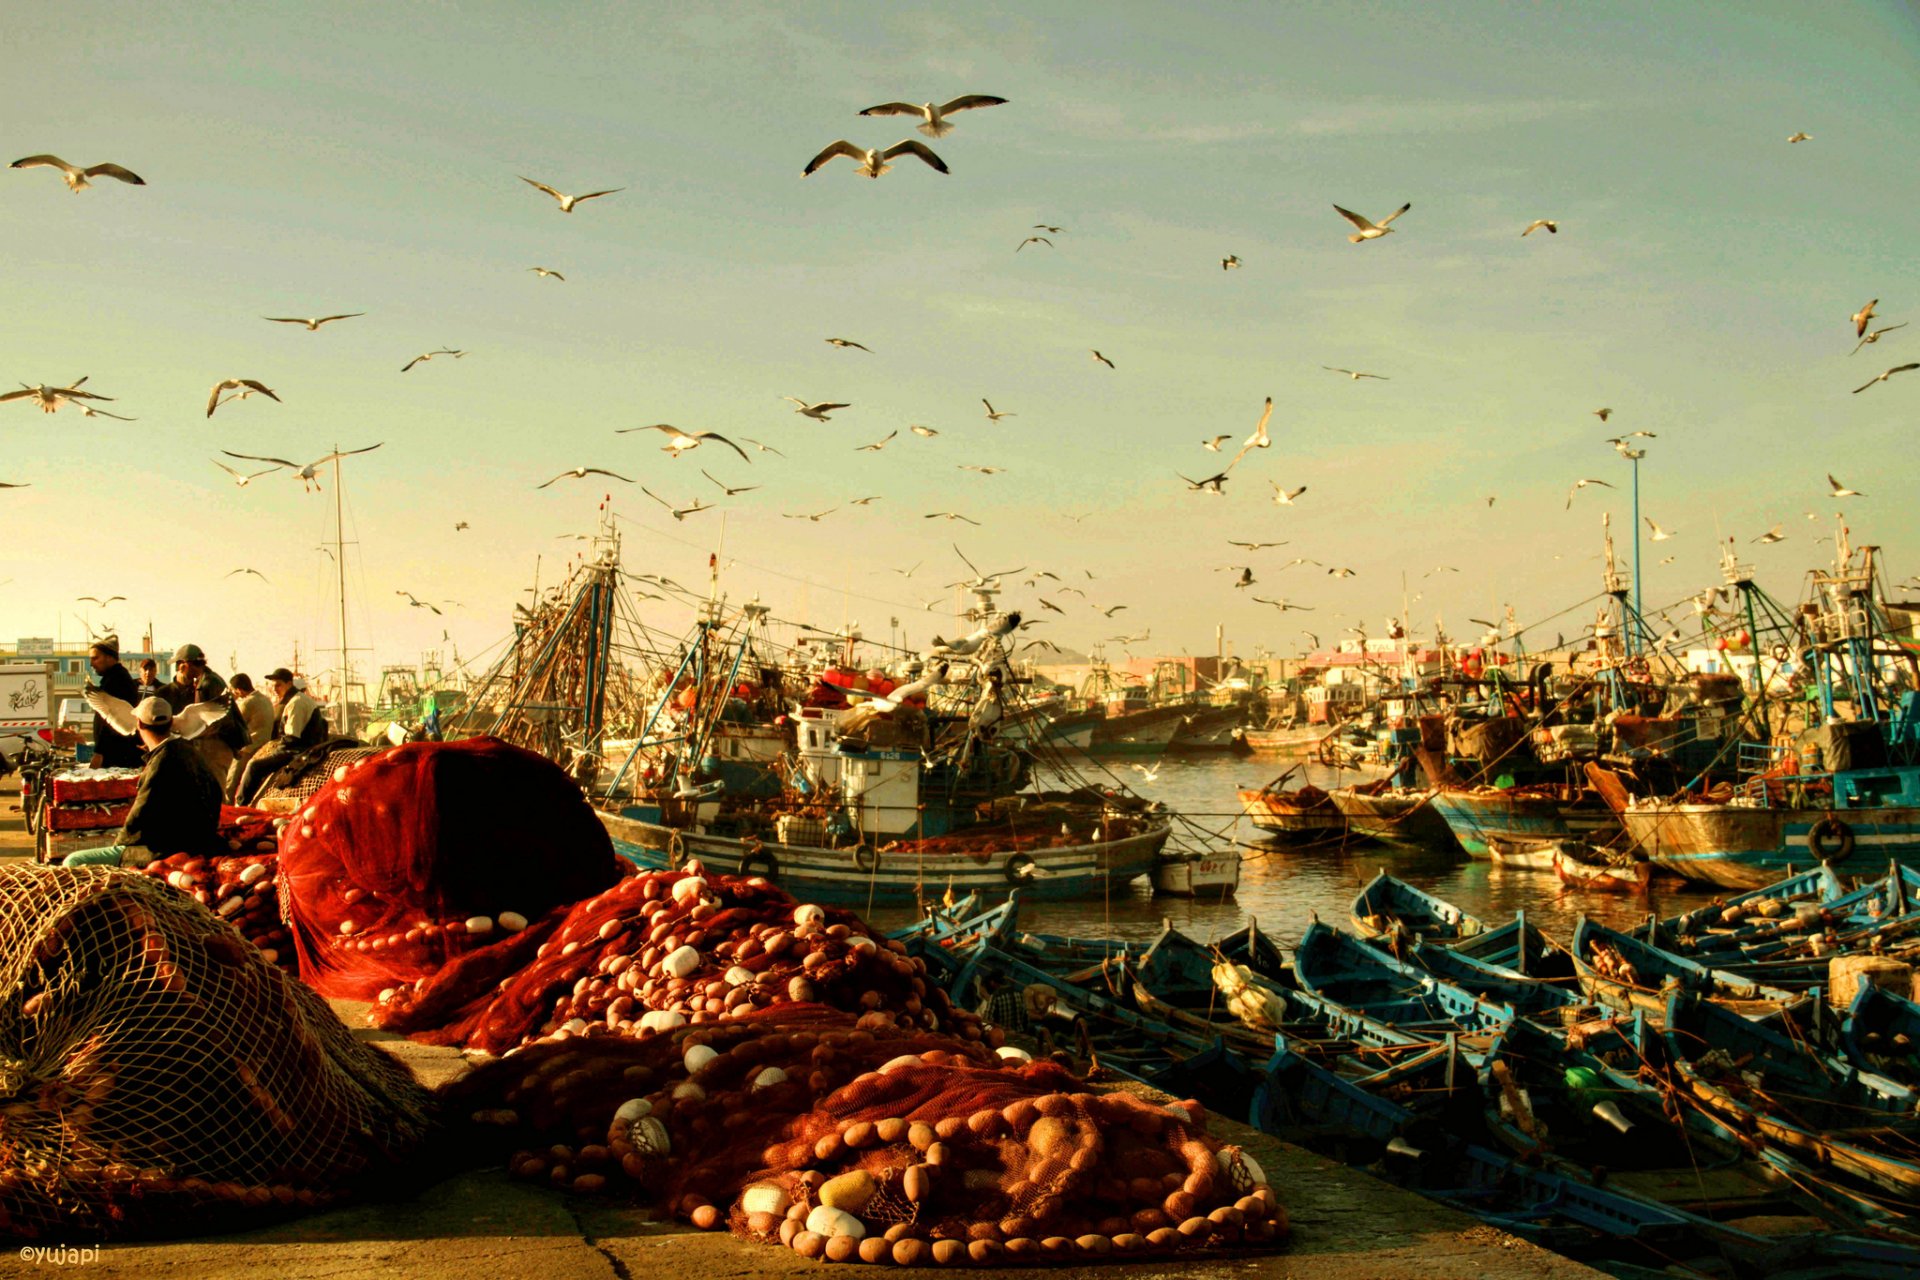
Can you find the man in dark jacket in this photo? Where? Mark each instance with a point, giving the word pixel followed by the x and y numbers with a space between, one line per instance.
pixel 298 724
pixel 191 682
pixel 177 809
pixel 112 749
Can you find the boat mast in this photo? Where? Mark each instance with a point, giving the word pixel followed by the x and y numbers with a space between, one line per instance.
pixel 340 570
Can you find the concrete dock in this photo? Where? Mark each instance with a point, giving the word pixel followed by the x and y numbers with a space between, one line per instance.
pixel 1347 1225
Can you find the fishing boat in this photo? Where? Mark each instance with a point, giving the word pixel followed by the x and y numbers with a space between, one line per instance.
pixel 1725 918
pixel 1552 985
pixel 1522 815
pixel 1372 984
pixel 1300 814
pixel 1522 855
pixel 1599 873
pixel 1386 907
pixel 1624 973
pixel 1197 873
pixel 1882 1034
pixel 1396 815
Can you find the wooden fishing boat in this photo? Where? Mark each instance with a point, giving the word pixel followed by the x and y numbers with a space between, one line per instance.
pixel 1522 855
pixel 1373 985
pixel 1536 992
pixel 1302 813
pixel 1624 973
pixel 1519 946
pixel 1601 876
pixel 1197 873
pixel 1521 815
pixel 1882 1034
pixel 1396 815
pixel 1294 740
pixel 1723 917
pixel 1387 907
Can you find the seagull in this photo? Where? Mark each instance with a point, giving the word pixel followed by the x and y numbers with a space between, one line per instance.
pixel 1213 445
pixel 1303 560
pixel 934 115
pixel 1841 491
pixel 1799 137
pixel 1285 497
pixel 547 273
pixel 1283 605
pixel 1033 240
pixel 255 572
pixel 1340 573
pixel 873 163
pixel 51 398
pixel 763 448
pixel 1899 368
pixel 461 525
pixel 1048 604
pixel 949 515
pixel 1146 774
pixel 1246 575
pixel 567 202
pixel 1052 231
pixel 1110 611
pixel 1356 376
pixel 1603 414
pixel 1370 230
pixel 246 386
pixel 1553 228
pixel 1771 536
pixel 985 471
pixel 1103 360
pixel 1620 442
pixel 581 473
pixel 1659 534
pixel 307 474
pixel 1578 485
pixel 1669 560
pixel 8 485
pixel 927 432
pixel 1869 338
pixel 75 176
pixel 864 502
pixel 428 355
pixel 994 415
pixel 729 490
pixel 844 343
pixel 818 412
pixel 418 604
pixel 678 513
pixel 1229 262
pixel 313 325
pixel 1259 439
pixel 877 445
pixel 1861 317
pixel 1212 484
pixel 243 480
pixel 678 441
pixel 88 411
pixel 188 722
pixel 816 519
pixel 97 600
pixel 1254 546
pixel 1440 568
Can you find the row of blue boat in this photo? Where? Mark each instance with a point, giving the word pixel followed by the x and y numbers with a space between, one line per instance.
pixel 1684 1094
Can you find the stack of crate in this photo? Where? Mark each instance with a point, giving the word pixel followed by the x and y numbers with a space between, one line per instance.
pixel 85 807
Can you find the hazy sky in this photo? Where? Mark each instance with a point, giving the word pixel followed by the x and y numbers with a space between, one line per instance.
pixel 305 159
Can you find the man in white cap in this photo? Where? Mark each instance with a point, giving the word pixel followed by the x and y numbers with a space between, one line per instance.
pixel 177 809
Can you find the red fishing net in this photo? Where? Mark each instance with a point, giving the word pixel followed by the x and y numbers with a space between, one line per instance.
pixel 157 1074
pixel 427 852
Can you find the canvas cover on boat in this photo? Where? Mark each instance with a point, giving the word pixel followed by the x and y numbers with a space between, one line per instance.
pixel 158 1075
pixel 425 852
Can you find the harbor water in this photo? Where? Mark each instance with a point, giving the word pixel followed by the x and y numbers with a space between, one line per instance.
pixel 1282 885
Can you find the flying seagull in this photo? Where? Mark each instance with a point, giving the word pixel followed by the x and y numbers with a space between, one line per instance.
pixel 1254 546
pixel 313 325
pixel 97 600
pixel 9 485
pixel 1553 228
pixel 985 471
pixel 728 489
pixel 1603 414
pixel 934 122
pixel 567 202
pixel 678 441
pixel 1771 536
pixel 948 515
pixel 1799 137
pixel 1052 231
pixel 1213 445
pixel 816 519
pixel 1285 497
pixel 1033 240
pixel 763 448
pixel 246 387
pixel 1578 485
pixel 994 415
pixel 919 430
pixel 678 513
pixel 1246 575
pixel 255 572
pixel 581 473
pixel 1283 605
pixel 307 474
pixel 243 480
pixel 1659 534
pixel 877 445
pixel 873 163
pixel 1214 484
pixel 864 502
pixel 459 525
pixel 818 412
pixel 547 273
pixel 188 722
pixel 1103 360
pixel 51 398
pixel 1340 573
pixel 1259 439
pixel 1841 491
pixel 428 355
pixel 1861 317
pixel 75 176
pixel 1229 262
pixel 843 343
pixel 1356 375
pixel 415 602
pixel 1866 339
pixel 1370 230
pixel 1899 368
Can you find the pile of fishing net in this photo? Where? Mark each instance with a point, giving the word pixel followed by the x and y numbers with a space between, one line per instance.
pixel 810 1128
pixel 423 853
pixel 157 1074
pixel 660 950
pixel 241 888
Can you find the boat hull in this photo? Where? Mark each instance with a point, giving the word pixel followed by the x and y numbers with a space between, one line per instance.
pixel 1740 847
pixel 1147 732
pixel 1198 875
pixel 1478 817
pixel 899 879
pixel 1275 814
pixel 1274 743
pixel 1394 817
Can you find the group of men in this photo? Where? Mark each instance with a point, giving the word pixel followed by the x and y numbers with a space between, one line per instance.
pixel 183 783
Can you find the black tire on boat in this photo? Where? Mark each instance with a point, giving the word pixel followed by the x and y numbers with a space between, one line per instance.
pixel 866 858
pixel 1018 868
pixel 756 861
pixel 1830 840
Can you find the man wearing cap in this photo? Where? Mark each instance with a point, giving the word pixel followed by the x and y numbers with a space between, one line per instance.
pixel 192 682
pixel 298 723
pixel 177 809
pixel 111 748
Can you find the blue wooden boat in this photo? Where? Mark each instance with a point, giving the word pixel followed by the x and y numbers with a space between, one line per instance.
pixel 1725 916
pixel 1624 973
pixel 1552 984
pixel 1378 988
pixel 1770 924
pixel 949 943
pixel 1519 946
pixel 1769 1090
pixel 1387 907
pixel 1882 1034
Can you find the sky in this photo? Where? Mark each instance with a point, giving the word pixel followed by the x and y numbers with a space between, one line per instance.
pixel 304 160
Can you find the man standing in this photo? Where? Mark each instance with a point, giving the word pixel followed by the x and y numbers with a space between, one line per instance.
pixel 177 809
pixel 192 682
pixel 256 710
pixel 111 748
pixel 298 723
pixel 149 679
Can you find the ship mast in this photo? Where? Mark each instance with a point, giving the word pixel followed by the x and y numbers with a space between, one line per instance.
pixel 340 568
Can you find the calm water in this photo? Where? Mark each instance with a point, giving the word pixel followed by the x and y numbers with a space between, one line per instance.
pixel 1280 885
